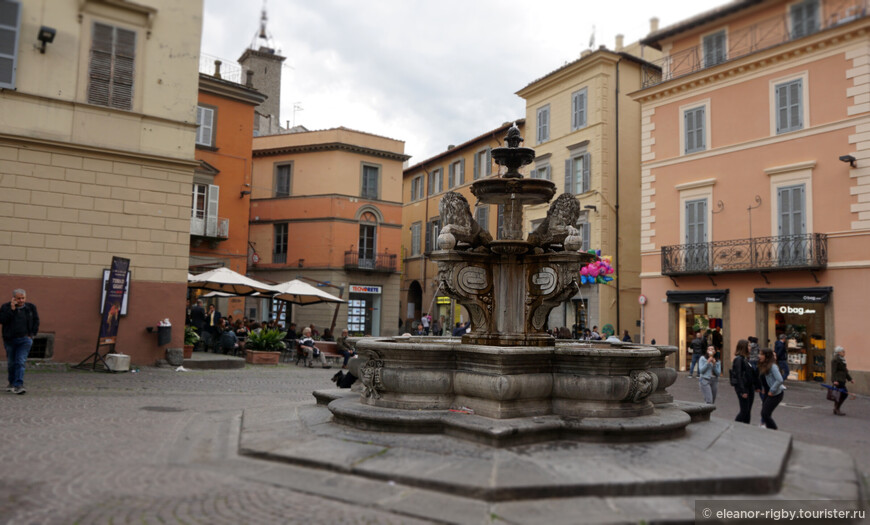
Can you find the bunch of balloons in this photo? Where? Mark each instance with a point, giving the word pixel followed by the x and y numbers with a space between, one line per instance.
pixel 598 272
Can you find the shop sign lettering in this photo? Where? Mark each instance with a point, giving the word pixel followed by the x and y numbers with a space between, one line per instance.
pixel 797 310
pixel 357 288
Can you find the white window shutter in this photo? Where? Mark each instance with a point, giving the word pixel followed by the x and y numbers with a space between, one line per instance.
pixel 10 25
pixel 211 211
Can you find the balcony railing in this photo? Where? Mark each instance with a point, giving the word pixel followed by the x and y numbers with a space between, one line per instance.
pixel 212 228
pixel 762 35
pixel 380 262
pixel 760 254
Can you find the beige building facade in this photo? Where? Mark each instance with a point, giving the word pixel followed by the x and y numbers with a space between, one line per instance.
pixel 585 130
pixel 96 160
pixel 756 216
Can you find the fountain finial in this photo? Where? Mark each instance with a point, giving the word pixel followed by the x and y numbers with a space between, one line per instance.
pixel 513 137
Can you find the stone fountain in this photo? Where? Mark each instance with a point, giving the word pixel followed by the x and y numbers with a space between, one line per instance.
pixel 512 380
pixel 507 422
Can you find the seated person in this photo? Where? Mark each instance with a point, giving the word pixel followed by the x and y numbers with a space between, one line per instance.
pixel 311 352
pixel 228 340
pixel 327 335
pixel 345 348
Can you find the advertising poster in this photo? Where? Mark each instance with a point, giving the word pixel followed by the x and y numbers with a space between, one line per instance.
pixel 116 290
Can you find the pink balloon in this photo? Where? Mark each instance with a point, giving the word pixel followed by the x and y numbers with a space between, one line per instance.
pixel 584 271
pixel 594 272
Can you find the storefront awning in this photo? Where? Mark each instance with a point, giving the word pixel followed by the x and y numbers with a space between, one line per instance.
pixel 819 294
pixel 697 296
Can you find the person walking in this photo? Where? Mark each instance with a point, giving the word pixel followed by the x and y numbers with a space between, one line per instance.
pixel 709 370
pixel 424 320
pixel 781 352
pixel 771 386
pixel 698 346
pixel 753 351
pixel 20 322
pixel 744 378
pixel 839 375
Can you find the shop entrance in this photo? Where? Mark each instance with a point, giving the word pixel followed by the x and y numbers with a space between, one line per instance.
pixel 800 314
pixel 697 310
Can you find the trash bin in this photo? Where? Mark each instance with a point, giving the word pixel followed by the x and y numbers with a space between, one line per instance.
pixel 164 335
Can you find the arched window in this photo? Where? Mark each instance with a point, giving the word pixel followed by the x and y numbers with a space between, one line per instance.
pixel 368 231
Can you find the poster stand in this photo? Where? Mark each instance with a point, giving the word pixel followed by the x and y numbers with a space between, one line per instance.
pixel 111 308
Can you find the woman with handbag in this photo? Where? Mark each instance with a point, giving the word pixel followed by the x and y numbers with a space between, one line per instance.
pixel 839 376
pixel 744 379
pixel 771 385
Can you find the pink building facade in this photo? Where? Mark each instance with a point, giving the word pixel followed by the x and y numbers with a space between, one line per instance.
pixel 755 207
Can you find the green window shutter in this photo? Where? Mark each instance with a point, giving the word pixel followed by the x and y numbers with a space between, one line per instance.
pixel 476 166
pixel 461 171
pixel 10 26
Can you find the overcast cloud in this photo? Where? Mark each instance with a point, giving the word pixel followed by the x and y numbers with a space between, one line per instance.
pixel 431 73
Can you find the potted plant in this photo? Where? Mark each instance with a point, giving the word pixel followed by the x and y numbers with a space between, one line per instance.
pixel 190 340
pixel 264 347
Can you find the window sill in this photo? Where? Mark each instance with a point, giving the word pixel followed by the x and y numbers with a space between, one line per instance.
pixel 207 148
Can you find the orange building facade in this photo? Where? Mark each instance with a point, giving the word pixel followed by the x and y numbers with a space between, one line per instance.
pixel 423 186
pixel 222 183
pixel 327 206
pixel 755 211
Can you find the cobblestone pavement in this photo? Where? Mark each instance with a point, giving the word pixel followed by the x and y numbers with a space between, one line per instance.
pixel 159 446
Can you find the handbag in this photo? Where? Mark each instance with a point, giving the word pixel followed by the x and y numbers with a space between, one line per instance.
pixel 831 395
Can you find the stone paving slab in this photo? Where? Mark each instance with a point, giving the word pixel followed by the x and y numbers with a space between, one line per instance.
pixel 737 459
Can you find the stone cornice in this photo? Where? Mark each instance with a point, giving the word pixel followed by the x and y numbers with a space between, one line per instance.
pixel 753 62
pixel 331 146
pixel 224 88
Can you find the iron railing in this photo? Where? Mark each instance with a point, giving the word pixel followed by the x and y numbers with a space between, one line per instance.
pixel 379 262
pixel 229 70
pixel 213 227
pixel 745 41
pixel 760 254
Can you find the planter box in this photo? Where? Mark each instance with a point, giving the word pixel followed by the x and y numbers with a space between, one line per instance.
pixel 118 362
pixel 259 357
pixel 188 351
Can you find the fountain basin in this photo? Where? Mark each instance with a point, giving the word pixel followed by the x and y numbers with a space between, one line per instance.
pixel 413 383
pixel 518 191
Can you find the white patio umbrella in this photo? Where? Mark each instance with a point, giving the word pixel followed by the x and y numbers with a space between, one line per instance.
pixel 299 292
pixel 228 281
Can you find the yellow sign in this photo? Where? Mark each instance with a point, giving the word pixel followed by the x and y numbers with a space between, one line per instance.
pixel 442 300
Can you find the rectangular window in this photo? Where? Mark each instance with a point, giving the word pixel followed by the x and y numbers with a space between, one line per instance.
pixel 481 215
pixel 578 110
pixel 804 18
pixel 417 188
pixel 696 235
pixel 112 64
pixel 200 197
pixel 367 245
pixel 433 228
pixel 714 49
pixel 792 227
pixel 456 174
pixel 415 238
pixel 788 97
pixel 577 174
pixel 436 181
pixel 483 163
pixel 205 123
pixel 279 252
pixel 541 172
pixel 543 124
pixel 10 25
pixel 694 124
pixel 370 176
pixel 586 233
pixel 283 174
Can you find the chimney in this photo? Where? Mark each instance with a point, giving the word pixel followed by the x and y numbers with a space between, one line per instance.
pixel 653 24
pixel 217 68
pixel 619 42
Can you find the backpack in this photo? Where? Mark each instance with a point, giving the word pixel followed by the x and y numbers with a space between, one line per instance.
pixel 734 378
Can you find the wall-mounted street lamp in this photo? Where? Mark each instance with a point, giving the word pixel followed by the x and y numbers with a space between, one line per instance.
pixel 591 207
pixel 848 158
pixel 244 192
pixel 46 36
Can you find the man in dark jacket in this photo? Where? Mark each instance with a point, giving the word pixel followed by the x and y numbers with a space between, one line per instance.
pixel 197 319
pixel 699 348
pixel 212 328
pixel 781 352
pixel 20 325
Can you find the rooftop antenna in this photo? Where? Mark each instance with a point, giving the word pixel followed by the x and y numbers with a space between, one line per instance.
pixel 262 38
pixel 591 38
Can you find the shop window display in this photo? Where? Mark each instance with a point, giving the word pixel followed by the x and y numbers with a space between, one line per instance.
pixel 804 327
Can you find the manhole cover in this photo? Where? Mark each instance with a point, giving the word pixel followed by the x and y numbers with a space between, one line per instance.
pixel 792 405
pixel 163 409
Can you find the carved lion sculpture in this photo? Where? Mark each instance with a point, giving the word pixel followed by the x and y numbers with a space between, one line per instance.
pixel 563 214
pixel 456 221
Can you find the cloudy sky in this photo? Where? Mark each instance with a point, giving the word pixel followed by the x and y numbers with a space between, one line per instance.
pixel 428 72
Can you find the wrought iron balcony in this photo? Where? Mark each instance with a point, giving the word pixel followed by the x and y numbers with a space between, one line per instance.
pixel 757 37
pixel 760 254
pixel 378 262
